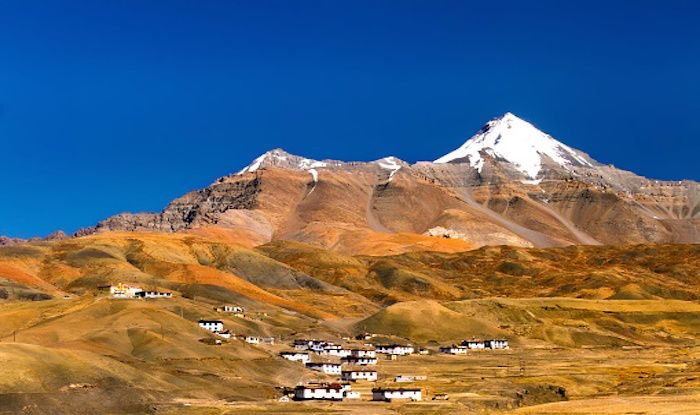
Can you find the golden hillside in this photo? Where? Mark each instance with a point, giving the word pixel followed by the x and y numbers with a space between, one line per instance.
pixel 582 321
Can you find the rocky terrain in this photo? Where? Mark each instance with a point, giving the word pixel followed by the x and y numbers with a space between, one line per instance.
pixel 510 184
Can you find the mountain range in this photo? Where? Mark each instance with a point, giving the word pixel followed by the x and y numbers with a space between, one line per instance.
pixel 332 250
pixel 509 184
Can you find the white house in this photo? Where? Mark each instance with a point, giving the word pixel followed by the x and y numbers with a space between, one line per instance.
pixel 381 394
pixel 363 353
pixel 319 345
pixel 486 344
pixel 352 395
pixel 474 344
pixel 225 334
pixel 214 326
pixel 232 309
pixel 296 356
pixel 123 291
pixel 334 392
pixel 394 349
pixel 333 350
pixel 454 349
pixel 302 344
pixel 496 344
pixel 359 374
pixel 359 361
pixel 252 340
pixel 153 294
pixel 328 368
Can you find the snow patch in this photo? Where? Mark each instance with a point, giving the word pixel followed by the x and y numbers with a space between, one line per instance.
pixel 254 165
pixel 279 157
pixel 310 164
pixel 314 174
pixel 518 142
pixel 390 163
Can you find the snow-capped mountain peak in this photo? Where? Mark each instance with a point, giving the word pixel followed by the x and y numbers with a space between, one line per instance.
pixel 281 158
pixel 518 142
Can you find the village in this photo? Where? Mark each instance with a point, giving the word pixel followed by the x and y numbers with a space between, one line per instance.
pixel 357 364
pixel 349 364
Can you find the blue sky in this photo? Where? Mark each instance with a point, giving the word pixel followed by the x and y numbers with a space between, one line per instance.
pixel 122 106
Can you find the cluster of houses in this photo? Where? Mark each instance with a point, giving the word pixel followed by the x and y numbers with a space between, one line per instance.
pixel 466 345
pixel 125 291
pixel 341 391
pixel 358 360
pixel 217 327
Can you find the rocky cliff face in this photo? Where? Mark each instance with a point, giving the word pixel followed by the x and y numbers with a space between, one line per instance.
pixel 509 184
pixel 197 208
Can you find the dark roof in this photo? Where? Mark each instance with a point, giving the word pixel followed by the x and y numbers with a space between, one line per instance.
pixel 211 321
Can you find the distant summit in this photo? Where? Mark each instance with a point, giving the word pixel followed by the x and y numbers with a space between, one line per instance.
pixel 517 142
pixel 280 158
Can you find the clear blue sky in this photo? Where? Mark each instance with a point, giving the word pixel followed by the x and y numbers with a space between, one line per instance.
pixel 124 105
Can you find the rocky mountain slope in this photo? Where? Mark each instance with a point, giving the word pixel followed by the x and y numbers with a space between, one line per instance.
pixel 510 184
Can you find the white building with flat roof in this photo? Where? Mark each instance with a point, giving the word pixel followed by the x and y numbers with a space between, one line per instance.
pixel 214 326
pixel 394 349
pixel 363 353
pixel 454 350
pixel 296 356
pixel 153 294
pixel 123 291
pixel 353 395
pixel 252 340
pixel 474 344
pixel 333 350
pixel 302 344
pixel 388 395
pixel 359 361
pixel 496 344
pixel 359 374
pixel 332 392
pixel 328 368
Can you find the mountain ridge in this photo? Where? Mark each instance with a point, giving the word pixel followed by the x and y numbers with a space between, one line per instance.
pixel 489 191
